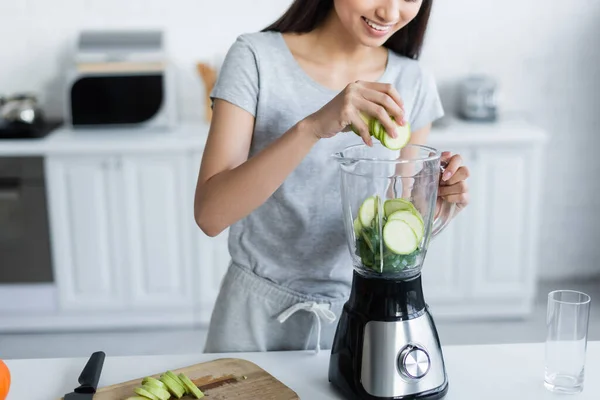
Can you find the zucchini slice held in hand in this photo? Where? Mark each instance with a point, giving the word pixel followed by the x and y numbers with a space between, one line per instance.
pixel 377 130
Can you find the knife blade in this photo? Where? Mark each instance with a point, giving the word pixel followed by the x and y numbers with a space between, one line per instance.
pixel 88 380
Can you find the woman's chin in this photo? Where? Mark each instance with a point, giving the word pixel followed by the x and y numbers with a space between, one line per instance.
pixel 371 42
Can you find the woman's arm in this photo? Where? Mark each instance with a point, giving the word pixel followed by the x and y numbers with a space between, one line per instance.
pixel 420 136
pixel 230 186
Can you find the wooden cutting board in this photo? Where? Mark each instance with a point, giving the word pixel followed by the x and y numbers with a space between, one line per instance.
pixel 220 379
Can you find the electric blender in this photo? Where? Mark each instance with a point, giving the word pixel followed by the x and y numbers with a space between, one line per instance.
pixel 386 344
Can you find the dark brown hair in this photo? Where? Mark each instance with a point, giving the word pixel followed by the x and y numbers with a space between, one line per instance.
pixel 305 15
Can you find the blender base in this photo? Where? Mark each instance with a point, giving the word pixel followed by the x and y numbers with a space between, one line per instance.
pixel 386 345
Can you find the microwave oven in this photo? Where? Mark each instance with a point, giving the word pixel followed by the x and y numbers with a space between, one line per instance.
pixel 120 78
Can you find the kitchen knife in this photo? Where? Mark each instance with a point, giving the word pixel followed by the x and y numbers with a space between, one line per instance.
pixel 88 380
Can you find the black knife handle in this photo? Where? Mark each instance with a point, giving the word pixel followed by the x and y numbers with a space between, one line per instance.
pixel 91 373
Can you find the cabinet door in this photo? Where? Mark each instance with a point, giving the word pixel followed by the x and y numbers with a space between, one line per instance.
pixel 210 255
pixel 84 232
pixel 447 267
pixel 155 205
pixel 503 200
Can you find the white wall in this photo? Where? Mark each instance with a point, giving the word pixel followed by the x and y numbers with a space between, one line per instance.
pixel 39 34
pixel 545 54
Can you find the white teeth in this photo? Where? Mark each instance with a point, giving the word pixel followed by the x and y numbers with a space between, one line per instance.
pixel 376 26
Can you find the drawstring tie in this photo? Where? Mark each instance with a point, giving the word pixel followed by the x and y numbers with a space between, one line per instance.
pixel 319 310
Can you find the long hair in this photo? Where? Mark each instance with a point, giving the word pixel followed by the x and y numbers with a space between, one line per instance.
pixel 305 15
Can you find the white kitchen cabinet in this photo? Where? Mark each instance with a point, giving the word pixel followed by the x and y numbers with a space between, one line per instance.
pixel 154 215
pixel 126 245
pixel 84 221
pixel 485 263
pixel 506 220
pixel 118 230
pixel 501 202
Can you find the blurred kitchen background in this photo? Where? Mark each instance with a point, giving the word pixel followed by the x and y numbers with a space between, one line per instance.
pixel 98 247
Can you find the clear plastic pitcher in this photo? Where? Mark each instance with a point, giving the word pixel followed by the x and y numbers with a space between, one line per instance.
pixel 389 200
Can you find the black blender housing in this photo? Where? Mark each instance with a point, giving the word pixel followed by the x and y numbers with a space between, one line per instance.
pixel 373 299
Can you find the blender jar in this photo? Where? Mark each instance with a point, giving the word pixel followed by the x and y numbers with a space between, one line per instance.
pixel 390 207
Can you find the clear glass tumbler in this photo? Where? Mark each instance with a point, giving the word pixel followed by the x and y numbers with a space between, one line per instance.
pixel 566 340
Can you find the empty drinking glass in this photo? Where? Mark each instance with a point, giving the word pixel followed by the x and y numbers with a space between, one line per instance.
pixel 566 340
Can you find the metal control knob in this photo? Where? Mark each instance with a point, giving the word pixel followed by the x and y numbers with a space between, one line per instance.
pixel 414 362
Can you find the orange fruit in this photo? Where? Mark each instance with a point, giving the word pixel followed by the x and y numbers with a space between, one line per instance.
pixel 4 380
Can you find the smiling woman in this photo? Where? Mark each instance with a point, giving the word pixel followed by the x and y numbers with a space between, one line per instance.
pixel 397 25
pixel 282 103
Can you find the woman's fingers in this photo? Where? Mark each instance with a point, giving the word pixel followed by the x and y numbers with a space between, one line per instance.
pixel 380 113
pixel 461 199
pixel 454 163
pixel 453 187
pixel 460 175
pixel 386 88
pixel 385 100
pixel 457 188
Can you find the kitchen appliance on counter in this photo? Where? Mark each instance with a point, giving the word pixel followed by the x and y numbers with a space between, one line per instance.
pixel 22 118
pixel 386 345
pixel 478 98
pixel 25 254
pixel 120 78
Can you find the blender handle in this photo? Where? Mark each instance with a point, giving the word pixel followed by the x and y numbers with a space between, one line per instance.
pixel 446 213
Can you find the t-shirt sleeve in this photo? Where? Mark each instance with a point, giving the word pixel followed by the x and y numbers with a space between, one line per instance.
pixel 427 105
pixel 237 80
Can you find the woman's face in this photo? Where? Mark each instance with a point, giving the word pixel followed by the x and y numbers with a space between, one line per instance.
pixel 372 22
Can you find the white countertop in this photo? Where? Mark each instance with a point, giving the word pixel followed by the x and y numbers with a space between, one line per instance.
pixel 490 372
pixel 191 136
pixel 66 140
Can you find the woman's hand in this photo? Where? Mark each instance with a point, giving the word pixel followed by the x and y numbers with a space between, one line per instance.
pixel 379 100
pixel 453 186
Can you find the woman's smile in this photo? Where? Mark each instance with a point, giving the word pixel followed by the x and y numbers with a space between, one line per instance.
pixel 377 29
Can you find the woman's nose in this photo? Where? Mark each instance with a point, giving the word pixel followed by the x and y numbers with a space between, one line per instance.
pixel 389 11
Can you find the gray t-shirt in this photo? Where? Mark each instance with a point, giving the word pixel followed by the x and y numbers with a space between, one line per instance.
pixel 296 239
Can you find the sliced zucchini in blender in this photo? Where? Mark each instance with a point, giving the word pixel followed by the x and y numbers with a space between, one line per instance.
pixel 411 219
pixel 399 204
pixel 357 227
pixel 367 211
pixel 399 237
pixel 367 240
